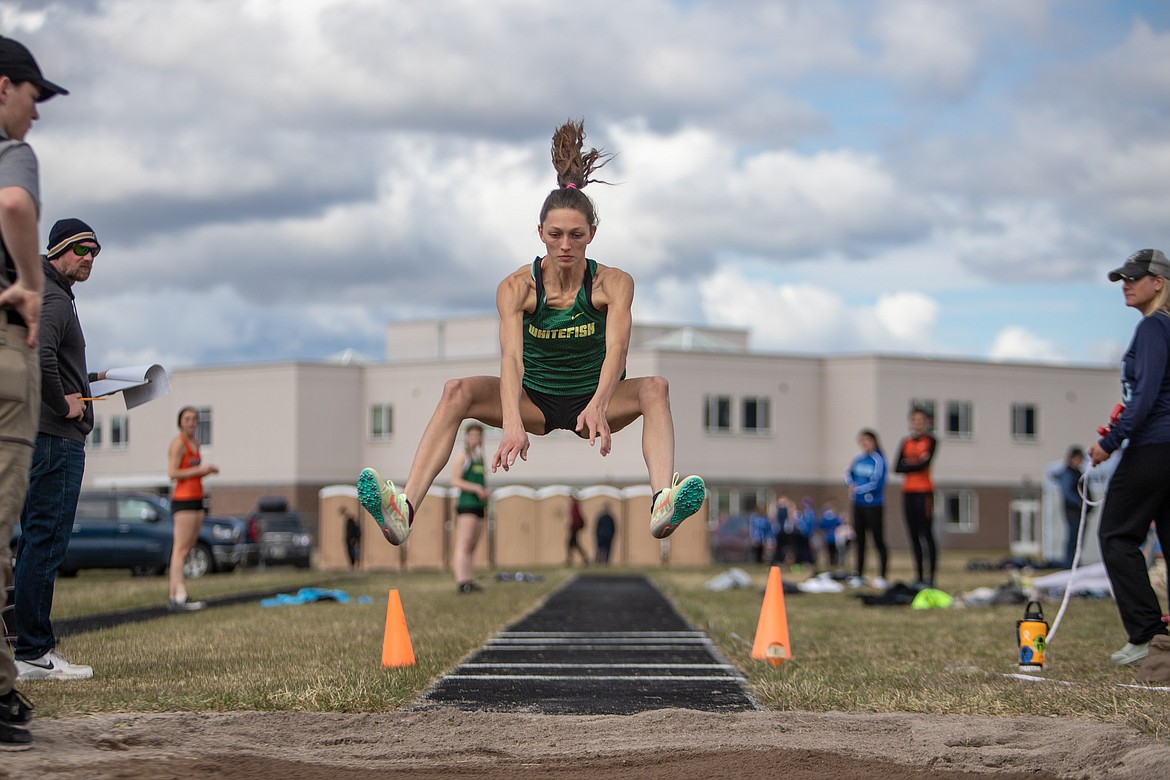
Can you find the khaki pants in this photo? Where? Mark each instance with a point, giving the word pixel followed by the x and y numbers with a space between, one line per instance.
pixel 20 404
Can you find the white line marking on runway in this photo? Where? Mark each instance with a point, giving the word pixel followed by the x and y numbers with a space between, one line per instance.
pixel 602 678
pixel 591 634
pixel 727 667
pixel 631 641
pixel 560 648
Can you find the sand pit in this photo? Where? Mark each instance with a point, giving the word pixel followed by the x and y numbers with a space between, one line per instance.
pixel 674 744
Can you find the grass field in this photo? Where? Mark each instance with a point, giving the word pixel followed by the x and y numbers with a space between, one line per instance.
pixel 326 656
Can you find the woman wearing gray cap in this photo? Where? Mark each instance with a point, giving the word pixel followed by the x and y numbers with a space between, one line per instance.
pixel 1139 491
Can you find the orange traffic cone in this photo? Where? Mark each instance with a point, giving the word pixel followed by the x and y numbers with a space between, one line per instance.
pixel 396 648
pixel 772 631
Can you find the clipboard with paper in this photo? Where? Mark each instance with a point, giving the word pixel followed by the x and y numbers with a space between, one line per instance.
pixel 137 384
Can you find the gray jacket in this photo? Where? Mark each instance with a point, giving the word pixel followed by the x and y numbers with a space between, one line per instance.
pixel 63 369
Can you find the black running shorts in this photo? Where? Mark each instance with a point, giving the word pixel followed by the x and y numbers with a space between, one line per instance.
pixel 560 411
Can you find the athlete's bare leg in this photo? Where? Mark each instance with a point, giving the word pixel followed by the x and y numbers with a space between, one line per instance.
pixel 649 398
pixel 476 397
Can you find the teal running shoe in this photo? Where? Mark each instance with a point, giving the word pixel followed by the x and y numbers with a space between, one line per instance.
pixel 388 507
pixel 675 504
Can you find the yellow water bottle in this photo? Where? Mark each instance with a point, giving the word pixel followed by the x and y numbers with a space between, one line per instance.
pixel 1032 637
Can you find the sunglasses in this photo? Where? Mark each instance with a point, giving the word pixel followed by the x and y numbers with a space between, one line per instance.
pixel 82 251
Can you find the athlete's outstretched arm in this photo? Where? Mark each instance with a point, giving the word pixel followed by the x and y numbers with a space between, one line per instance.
pixel 510 298
pixel 616 290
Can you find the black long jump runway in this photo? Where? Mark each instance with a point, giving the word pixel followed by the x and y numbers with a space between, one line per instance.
pixel 599 645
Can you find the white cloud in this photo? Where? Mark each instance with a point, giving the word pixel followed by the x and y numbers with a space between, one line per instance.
pixel 1016 343
pixel 842 166
pixel 805 317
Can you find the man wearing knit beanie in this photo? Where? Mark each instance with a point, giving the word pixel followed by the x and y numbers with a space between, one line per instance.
pixel 22 87
pixel 59 456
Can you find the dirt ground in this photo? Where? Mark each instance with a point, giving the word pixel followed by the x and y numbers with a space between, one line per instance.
pixel 674 744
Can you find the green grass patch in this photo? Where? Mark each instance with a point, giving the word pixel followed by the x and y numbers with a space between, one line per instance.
pixel 857 658
pixel 95 591
pixel 326 656
pixel 321 657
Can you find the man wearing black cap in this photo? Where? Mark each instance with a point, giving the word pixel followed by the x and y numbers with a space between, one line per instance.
pixel 59 457
pixel 22 86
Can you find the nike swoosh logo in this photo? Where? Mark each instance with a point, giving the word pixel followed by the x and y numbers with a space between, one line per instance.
pixel 39 666
pixel 575 316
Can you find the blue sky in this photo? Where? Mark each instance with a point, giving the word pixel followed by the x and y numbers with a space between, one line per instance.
pixel 275 180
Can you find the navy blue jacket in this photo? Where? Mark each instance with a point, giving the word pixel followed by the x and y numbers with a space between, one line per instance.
pixel 1145 387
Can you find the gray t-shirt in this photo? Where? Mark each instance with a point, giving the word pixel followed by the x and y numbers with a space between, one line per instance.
pixel 18 168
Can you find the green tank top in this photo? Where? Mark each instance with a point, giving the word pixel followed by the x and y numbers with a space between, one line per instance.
pixel 472 472
pixel 564 348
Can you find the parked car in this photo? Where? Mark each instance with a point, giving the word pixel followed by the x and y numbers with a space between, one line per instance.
pixel 731 540
pixel 281 534
pixel 117 530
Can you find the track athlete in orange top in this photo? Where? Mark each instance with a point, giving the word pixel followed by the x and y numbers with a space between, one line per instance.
pixel 915 454
pixel 564 334
pixel 186 467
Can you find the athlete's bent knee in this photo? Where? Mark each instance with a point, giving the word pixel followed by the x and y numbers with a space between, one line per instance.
pixel 656 390
pixel 456 394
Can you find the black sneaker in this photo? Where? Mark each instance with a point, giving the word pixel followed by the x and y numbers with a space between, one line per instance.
pixel 469 587
pixel 14 738
pixel 15 709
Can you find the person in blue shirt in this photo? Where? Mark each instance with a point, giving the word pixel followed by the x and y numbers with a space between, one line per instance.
pixel 829 525
pixel 784 532
pixel 866 478
pixel 760 528
pixel 1069 479
pixel 1139 490
pixel 806 526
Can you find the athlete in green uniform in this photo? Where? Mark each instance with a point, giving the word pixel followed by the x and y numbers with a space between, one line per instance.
pixel 564 335
pixel 469 475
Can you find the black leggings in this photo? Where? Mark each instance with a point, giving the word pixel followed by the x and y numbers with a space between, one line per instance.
pixel 1138 493
pixel 869 518
pixel 919 508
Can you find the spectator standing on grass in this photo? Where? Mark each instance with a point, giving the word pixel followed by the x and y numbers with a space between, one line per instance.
pixel 605 530
pixel 784 531
pixel 829 526
pixel 186 467
pixel 576 526
pixel 806 528
pixel 353 537
pixel 915 456
pixel 1139 490
pixel 22 86
pixel 866 479
pixel 760 530
pixel 469 475
pixel 1069 479
pixel 58 463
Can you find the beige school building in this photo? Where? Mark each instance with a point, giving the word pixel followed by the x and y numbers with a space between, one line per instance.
pixel 754 425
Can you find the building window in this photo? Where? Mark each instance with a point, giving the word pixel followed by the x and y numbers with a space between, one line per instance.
pixel 717 414
pixel 959 513
pixel 757 415
pixel 381 421
pixel 750 500
pixel 203 435
pixel 924 405
pixel 119 431
pixel 94 440
pixel 1024 422
pixel 959 419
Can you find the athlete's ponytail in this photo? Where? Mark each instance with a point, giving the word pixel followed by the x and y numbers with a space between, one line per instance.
pixel 575 168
